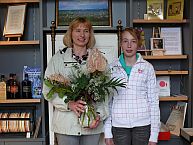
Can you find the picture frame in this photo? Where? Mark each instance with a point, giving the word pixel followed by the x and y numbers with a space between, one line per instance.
pixel 156 32
pixel 99 12
pixel 157 43
pixel 14 23
pixel 155 9
pixel 175 9
pixel 157 46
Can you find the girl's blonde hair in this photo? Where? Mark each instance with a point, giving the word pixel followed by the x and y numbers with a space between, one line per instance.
pixel 67 40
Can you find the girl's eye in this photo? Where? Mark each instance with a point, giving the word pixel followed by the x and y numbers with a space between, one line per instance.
pixel 77 30
pixel 125 41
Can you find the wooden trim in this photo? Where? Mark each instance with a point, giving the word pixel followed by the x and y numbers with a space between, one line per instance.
pixel 174 98
pixel 171 72
pixel 13 101
pixel 18 1
pixel 160 21
pixel 32 42
pixel 166 57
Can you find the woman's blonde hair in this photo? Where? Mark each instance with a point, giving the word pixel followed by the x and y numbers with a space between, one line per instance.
pixel 135 33
pixel 67 40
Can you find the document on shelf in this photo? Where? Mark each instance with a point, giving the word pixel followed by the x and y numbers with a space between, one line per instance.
pixel 173 40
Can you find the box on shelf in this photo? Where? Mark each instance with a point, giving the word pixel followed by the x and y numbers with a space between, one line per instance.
pixel 164 135
pixel 187 133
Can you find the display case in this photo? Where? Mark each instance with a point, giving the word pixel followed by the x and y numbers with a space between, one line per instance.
pixel 14 55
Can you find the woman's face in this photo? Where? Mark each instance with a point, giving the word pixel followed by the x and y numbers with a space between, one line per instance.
pixel 80 36
pixel 129 44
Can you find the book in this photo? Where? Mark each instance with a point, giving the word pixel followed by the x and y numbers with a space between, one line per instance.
pixel 38 122
pixel 172 40
pixel 163 85
pixel 177 117
pixel 34 74
pixel 155 9
pixel 175 9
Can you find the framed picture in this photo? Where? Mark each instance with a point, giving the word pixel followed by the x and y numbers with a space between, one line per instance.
pixel 155 9
pixel 14 23
pixel 157 46
pixel 99 12
pixel 156 32
pixel 157 43
pixel 175 9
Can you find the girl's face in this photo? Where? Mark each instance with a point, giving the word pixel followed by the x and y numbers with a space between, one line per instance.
pixel 129 44
pixel 80 36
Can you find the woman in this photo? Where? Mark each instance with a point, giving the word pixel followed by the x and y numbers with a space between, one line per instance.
pixel 79 40
pixel 134 112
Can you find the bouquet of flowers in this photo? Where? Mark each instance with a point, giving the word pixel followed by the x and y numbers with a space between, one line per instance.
pixel 91 86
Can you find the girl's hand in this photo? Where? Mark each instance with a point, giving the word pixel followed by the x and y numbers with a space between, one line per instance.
pixel 152 143
pixel 109 141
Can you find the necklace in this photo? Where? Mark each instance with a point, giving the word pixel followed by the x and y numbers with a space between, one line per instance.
pixel 80 59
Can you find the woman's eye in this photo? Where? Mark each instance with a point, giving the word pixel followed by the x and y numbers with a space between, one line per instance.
pixel 87 31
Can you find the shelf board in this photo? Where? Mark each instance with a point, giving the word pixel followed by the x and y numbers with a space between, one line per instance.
pixel 32 42
pixel 22 139
pixel 174 98
pixel 160 21
pixel 171 72
pixel 12 101
pixel 166 57
pixel 18 1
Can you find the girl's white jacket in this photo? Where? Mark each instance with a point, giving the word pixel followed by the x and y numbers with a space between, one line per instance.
pixel 138 103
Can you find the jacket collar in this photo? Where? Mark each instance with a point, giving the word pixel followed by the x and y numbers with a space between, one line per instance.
pixel 139 60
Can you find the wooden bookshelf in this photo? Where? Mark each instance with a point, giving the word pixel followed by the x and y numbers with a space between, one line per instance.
pixel 13 101
pixel 18 1
pixel 32 42
pixel 174 98
pixel 171 72
pixel 166 57
pixel 160 21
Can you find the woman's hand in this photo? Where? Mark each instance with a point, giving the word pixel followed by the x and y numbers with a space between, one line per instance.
pixel 78 107
pixel 95 122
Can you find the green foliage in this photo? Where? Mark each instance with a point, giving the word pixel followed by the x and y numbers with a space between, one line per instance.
pixel 88 87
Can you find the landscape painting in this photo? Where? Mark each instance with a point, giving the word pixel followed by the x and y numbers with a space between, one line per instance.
pixel 97 11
